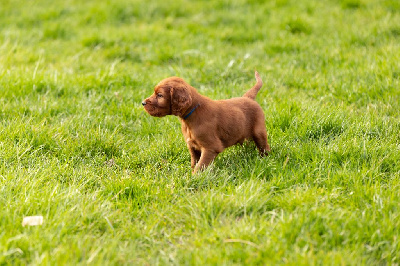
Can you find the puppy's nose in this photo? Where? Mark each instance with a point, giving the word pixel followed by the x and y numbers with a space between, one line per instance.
pixel 144 103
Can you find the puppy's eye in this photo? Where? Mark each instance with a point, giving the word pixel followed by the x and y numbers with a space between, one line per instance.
pixel 160 95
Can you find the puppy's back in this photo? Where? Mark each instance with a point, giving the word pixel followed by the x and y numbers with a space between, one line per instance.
pixel 237 119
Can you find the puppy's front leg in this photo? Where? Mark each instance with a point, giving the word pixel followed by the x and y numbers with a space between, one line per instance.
pixel 194 156
pixel 207 156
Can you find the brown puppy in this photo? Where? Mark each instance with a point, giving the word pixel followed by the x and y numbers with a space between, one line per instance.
pixel 210 126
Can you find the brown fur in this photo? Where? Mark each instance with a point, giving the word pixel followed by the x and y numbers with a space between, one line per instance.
pixel 213 125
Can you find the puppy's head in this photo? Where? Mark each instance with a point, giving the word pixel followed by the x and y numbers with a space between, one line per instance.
pixel 172 96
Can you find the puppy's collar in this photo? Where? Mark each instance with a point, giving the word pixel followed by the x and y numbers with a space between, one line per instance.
pixel 186 116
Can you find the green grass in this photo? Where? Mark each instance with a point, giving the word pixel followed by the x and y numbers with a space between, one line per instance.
pixel 114 184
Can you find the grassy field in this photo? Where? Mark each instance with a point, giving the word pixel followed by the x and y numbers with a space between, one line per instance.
pixel 114 184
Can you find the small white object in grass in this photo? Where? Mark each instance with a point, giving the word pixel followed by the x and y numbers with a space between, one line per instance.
pixel 32 220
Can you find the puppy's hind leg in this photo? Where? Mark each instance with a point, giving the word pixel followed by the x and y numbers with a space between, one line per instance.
pixel 261 140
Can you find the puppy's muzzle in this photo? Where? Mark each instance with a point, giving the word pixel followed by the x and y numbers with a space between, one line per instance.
pixel 144 103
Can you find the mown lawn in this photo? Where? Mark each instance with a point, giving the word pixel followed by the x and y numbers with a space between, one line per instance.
pixel 114 185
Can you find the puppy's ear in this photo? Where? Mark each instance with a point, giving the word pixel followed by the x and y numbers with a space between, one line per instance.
pixel 180 100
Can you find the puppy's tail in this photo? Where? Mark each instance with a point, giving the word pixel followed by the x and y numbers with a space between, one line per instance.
pixel 252 93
